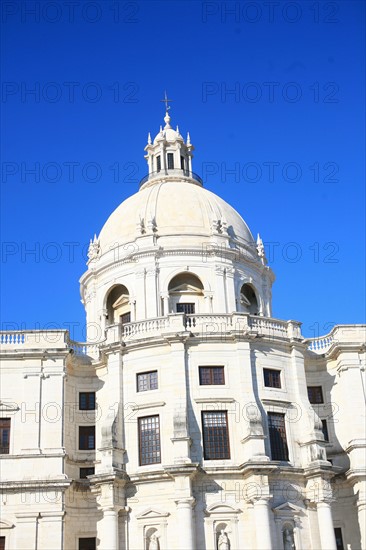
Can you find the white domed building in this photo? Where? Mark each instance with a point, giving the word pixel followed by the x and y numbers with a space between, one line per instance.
pixel 191 419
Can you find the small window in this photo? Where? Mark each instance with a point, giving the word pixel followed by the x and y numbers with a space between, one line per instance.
pixel 325 429
pixel 277 436
pixel 272 378
pixel 4 435
pixel 211 376
pixel 87 401
pixel 339 538
pixel 315 394
pixel 2 543
pixel 182 163
pixel 86 438
pixel 215 435
pixel 147 381
pixel 170 161
pixel 149 440
pixel 85 472
pixel 158 163
pixel 126 318
pixel 89 543
pixel 186 308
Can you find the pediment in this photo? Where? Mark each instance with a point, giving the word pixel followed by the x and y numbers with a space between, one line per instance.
pixel 152 513
pixel 4 524
pixel 184 287
pixel 8 407
pixel 221 508
pixel 287 508
pixel 121 301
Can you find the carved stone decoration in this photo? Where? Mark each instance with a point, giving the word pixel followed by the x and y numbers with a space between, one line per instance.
pixel 154 542
pixel 223 542
pixel 94 249
pixel 288 539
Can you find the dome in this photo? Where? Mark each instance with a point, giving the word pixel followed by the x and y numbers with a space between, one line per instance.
pixel 175 209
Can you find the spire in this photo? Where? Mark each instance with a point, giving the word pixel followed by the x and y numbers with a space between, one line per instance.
pixel 188 139
pixel 149 138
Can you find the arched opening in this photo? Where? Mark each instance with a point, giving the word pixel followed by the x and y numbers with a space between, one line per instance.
pixel 185 293
pixel 118 305
pixel 248 299
pixel 152 539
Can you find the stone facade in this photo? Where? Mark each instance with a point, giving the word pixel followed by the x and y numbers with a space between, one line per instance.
pixel 184 422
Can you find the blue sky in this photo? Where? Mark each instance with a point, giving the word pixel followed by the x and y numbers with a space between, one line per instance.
pixel 273 97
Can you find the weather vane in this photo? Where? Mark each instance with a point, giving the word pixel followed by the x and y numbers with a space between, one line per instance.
pixel 166 101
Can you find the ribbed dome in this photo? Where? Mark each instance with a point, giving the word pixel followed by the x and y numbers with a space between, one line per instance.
pixel 175 209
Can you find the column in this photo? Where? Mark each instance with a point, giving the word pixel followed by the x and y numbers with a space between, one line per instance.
pixel 326 529
pixel 361 509
pixel 108 530
pixel 262 523
pixel 185 523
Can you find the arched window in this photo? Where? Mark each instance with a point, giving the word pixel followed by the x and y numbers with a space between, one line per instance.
pixel 118 306
pixel 248 299
pixel 185 291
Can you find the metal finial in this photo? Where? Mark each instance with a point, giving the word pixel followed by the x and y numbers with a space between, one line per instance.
pixel 166 101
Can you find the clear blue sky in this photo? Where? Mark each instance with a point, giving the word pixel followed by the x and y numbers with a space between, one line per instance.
pixel 273 97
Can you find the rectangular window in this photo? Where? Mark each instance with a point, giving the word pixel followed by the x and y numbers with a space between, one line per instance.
pixel 339 538
pixel 126 318
pixel 158 163
pixel 86 438
pixel 186 308
pixel 277 436
pixel 182 164
pixel 2 543
pixel 170 161
pixel 315 394
pixel 4 435
pixel 147 381
pixel 149 440
pixel 84 472
pixel 89 543
pixel 211 375
pixel 87 401
pixel 325 429
pixel 215 435
pixel 272 378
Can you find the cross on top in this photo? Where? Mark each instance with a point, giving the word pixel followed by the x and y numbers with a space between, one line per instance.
pixel 166 101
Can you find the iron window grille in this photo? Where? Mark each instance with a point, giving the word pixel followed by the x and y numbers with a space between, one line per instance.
pixel 215 435
pixel 277 436
pixel 149 440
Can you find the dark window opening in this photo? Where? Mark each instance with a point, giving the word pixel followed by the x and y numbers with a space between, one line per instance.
pixel 272 378
pixel 2 543
pixel 149 440
pixel 187 308
pixel 126 318
pixel 277 436
pixel 89 543
pixel 86 438
pixel 170 161
pixel 147 381
pixel 325 430
pixel 182 163
pixel 87 401
pixel 211 376
pixel 84 472
pixel 158 163
pixel 4 435
pixel 315 394
pixel 215 435
pixel 339 538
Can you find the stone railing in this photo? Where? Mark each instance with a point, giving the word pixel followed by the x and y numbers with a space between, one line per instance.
pixel 322 344
pixel 33 339
pixel 85 348
pixel 340 334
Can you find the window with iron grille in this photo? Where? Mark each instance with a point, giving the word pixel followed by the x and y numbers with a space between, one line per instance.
pixel 88 543
pixel 149 440
pixel 215 435
pixel 170 160
pixel 211 376
pixel 87 401
pixel 4 435
pixel 187 308
pixel 84 472
pixel 147 381
pixel 315 394
pixel 339 538
pixel 277 436
pixel 325 429
pixel 272 378
pixel 158 163
pixel 86 438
